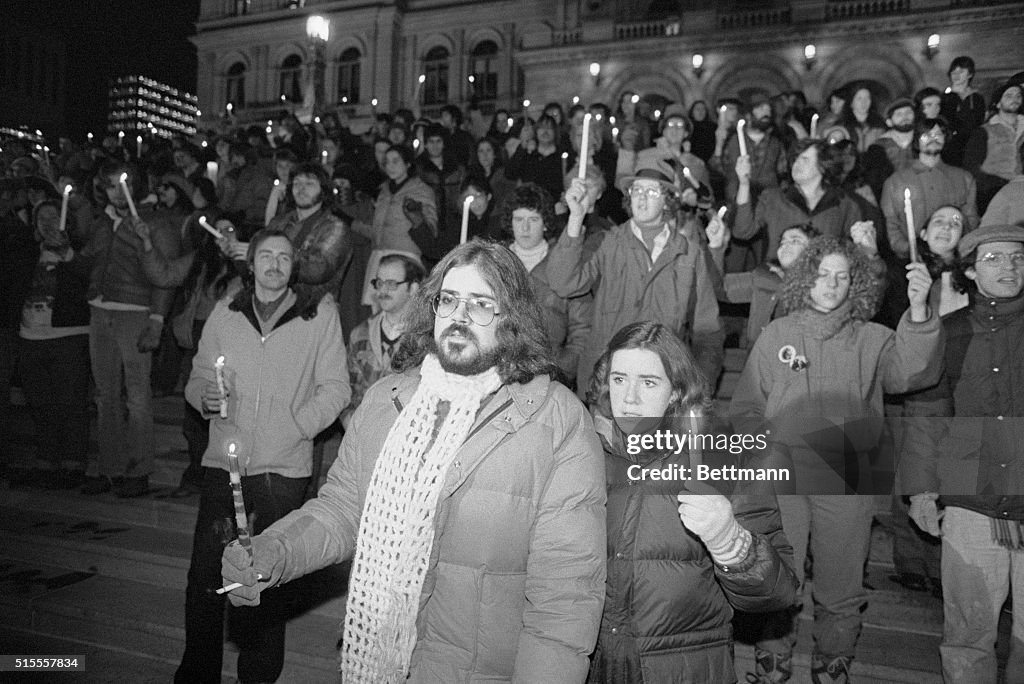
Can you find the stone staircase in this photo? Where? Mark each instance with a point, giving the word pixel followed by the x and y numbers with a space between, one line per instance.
pixel 106 577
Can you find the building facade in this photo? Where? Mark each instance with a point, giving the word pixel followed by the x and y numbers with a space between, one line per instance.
pixel 255 56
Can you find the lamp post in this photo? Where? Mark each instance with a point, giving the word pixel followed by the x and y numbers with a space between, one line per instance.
pixel 318 29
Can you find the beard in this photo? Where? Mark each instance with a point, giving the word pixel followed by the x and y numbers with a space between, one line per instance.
pixel 467 358
pixel 904 127
pixel 762 124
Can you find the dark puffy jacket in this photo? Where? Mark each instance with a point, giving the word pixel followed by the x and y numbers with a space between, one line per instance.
pixel 963 437
pixel 669 607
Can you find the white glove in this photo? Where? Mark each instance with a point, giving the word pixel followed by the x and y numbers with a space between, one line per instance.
pixel 710 517
pixel 925 513
pixel 260 572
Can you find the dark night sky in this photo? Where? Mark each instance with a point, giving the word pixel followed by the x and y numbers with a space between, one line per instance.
pixel 109 38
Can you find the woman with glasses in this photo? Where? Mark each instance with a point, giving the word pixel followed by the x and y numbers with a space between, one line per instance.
pixel 644 269
pixel 681 555
pixel 816 377
pixel 812 198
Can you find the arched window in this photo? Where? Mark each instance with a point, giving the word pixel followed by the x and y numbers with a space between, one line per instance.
pixel 291 78
pixel 234 91
pixel 435 66
pixel 484 67
pixel 348 76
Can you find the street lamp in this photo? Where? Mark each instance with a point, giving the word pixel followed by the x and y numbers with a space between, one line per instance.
pixel 318 29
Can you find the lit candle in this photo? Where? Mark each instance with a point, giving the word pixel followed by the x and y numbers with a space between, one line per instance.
pixel 721 211
pixel 323 158
pixel 138 146
pixel 64 208
pixel 241 521
pixel 120 137
pixel 814 126
pixel 583 147
pixel 218 368
pixel 909 211
pixel 741 137
pixel 464 234
pixel 212 231
pixel 419 84
pixel 689 177
pixel 128 195
pixel 565 159
pixel 211 171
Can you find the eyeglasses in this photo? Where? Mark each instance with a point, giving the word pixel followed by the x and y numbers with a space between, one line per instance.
pixel 675 124
pixel 480 311
pixel 386 285
pixel 1016 259
pixel 637 192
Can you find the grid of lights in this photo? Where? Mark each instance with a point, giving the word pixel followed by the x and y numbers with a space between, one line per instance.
pixel 140 103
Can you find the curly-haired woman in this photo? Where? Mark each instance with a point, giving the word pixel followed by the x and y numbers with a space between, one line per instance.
pixel 818 375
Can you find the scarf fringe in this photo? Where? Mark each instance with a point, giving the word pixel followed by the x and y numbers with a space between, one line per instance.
pixel 1008 533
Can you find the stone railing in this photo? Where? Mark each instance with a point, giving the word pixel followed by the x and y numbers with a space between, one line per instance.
pixel 568 36
pixel 221 9
pixel 754 18
pixel 646 29
pixel 854 9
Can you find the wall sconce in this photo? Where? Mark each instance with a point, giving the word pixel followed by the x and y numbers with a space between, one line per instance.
pixel 810 54
pixel 931 48
pixel 698 64
pixel 595 72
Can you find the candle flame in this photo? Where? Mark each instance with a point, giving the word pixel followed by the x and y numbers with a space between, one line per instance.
pixel 469 200
pixel 565 155
pixel 231 449
pixel 423 78
pixel 124 177
pixel 67 189
pixel 220 359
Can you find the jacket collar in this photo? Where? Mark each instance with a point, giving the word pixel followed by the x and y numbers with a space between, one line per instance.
pixel 244 304
pixel 830 199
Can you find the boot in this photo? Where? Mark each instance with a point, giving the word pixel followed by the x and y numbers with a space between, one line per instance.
pixel 770 668
pixel 834 671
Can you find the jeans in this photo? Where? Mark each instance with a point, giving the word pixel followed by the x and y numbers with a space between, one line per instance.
pixel 8 359
pixel 55 378
pixel 259 631
pixel 837 530
pixel 126 449
pixel 977 574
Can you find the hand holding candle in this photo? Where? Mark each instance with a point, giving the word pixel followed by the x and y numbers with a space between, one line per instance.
pixel 464 233
pixel 583 146
pixel 210 229
pixel 741 137
pixel 689 178
pixel 64 208
pixel 128 195
pixel 908 210
pixel 218 367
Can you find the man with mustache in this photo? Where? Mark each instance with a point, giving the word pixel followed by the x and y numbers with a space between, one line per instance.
pixel 932 184
pixel 283 380
pixel 962 467
pixel 469 489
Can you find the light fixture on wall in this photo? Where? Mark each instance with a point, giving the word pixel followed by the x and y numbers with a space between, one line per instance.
pixel 931 48
pixel 698 64
pixel 810 54
pixel 595 73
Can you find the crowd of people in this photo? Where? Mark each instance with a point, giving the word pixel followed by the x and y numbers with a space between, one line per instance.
pixel 294 279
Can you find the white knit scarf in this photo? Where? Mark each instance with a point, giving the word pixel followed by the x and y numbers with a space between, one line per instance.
pixel 396 531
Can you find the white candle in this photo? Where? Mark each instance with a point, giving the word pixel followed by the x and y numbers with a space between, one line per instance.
pixel 218 367
pixel 464 233
pixel 323 158
pixel 814 126
pixel 64 208
pixel 210 229
pixel 211 171
pixel 138 146
pixel 689 177
pixel 120 137
pixel 583 147
pixel 908 209
pixel 565 159
pixel 128 195
pixel 721 211
pixel 741 137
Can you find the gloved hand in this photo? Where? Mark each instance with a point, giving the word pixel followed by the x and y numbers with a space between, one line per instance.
pixel 413 211
pixel 710 517
pixel 268 558
pixel 925 512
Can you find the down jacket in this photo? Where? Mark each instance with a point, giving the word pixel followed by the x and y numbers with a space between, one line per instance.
pixel 515 583
pixel 284 387
pixel 669 606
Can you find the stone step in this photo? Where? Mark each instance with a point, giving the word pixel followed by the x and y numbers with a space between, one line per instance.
pixel 140 618
pixel 123 550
